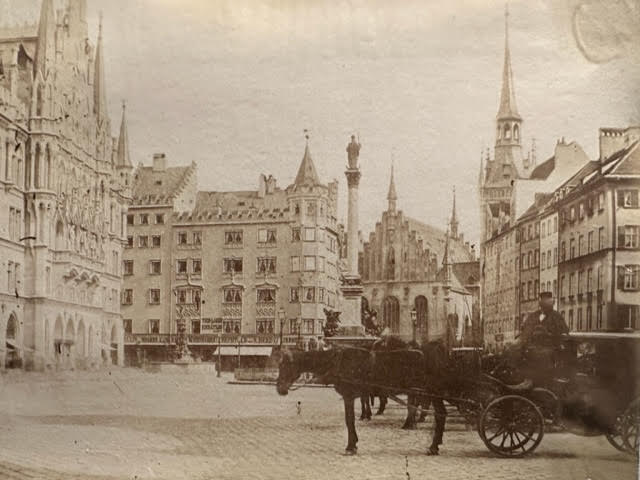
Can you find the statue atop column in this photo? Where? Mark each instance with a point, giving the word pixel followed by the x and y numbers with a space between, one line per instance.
pixel 353 152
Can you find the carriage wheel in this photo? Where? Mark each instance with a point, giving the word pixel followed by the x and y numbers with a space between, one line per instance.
pixel 616 438
pixel 511 426
pixel 631 426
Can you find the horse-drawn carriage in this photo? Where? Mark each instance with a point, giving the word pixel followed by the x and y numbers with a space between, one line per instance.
pixel 594 389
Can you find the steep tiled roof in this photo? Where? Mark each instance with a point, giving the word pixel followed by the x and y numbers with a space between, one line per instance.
pixel 159 186
pixel 542 171
pixel 434 239
pixel 307 174
pixel 467 272
pixel 629 163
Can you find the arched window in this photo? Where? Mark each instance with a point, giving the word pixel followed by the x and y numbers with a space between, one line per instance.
pixel 507 131
pixel 60 244
pixel 391 314
pixel 422 316
pixel 516 132
pixel 38 167
pixel 391 264
pixel 48 176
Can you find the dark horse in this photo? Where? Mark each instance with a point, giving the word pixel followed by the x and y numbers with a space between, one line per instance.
pixel 353 371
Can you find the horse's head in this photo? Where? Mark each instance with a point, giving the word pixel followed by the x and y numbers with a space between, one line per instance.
pixel 288 372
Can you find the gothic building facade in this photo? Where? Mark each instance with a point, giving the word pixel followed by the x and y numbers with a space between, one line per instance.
pixel 65 188
pixel 407 265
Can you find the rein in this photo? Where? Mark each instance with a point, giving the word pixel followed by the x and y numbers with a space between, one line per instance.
pixel 323 374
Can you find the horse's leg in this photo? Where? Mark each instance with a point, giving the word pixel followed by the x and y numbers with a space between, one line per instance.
pixel 367 404
pixel 350 420
pixel 383 404
pixel 363 408
pixel 424 410
pixel 410 421
pixel 440 415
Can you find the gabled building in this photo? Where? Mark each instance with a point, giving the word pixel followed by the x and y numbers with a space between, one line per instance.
pixel 407 265
pixel 65 189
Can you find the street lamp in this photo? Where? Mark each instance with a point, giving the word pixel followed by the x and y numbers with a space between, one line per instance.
pixel 414 322
pixel 281 317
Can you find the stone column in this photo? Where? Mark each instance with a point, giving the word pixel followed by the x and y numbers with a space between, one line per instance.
pixel 352 285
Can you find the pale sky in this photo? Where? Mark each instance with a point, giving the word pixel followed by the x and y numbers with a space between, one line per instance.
pixel 233 84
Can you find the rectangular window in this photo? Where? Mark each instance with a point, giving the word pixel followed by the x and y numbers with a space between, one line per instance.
pixel 571 319
pixel 195 327
pixel 127 267
pixel 266 265
pixel 144 219
pixel 628 236
pixel 309 234
pixel 309 263
pixel 309 294
pixel 130 241
pixel 555 255
pixel 130 219
pixel 544 261
pixel 601 238
pixel 321 266
pixel 572 248
pixel 580 245
pixel 589 319
pixel 154 326
pixel 599 317
pixel 544 230
pixel 183 297
pixel 181 266
pixel 600 279
pixel 196 266
pixel 581 211
pixel 580 326
pixel 159 218
pixel 600 201
pixel 267 236
pixel 182 238
pixel 295 234
pixel 589 280
pixel 233 238
pixel 555 224
pixel 572 283
pixel 590 245
pixel 295 264
pixel 294 294
pixel 155 267
pixel 127 297
pixel 321 295
pixel 293 325
pixel 266 295
pixel 232 265
pixel 232 295
pixel 580 281
pixel 308 326
pixel 127 325
pixel 628 277
pixel 197 238
pixel 628 198
pixel 154 296
pixel 143 241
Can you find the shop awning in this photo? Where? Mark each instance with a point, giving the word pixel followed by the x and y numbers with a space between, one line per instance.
pixel 245 351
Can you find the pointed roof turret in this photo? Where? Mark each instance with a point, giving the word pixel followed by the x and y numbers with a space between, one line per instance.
pixel 122 152
pixel 392 196
pixel 307 174
pixel 508 107
pixel 454 219
pixel 99 92
pixel 45 43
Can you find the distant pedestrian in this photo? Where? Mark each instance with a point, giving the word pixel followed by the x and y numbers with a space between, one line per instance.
pixel 299 408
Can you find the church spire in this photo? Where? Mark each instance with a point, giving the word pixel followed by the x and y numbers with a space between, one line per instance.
pixel 45 43
pixel 508 108
pixel 99 93
pixel 454 219
pixel 392 196
pixel 122 152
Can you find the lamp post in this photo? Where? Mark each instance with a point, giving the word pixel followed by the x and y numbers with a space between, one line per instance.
pixel 414 322
pixel 281 318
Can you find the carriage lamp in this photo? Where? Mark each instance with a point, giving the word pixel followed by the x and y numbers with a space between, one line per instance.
pixel 414 321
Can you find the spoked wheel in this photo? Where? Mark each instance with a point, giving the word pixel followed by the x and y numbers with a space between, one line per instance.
pixel 631 426
pixel 511 426
pixel 615 438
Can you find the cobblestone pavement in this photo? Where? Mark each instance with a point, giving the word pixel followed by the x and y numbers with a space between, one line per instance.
pixel 131 425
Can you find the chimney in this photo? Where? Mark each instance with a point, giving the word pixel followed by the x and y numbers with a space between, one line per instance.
pixel 262 185
pixel 159 162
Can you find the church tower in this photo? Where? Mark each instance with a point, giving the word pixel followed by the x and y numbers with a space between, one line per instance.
pixel 498 175
pixel 453 223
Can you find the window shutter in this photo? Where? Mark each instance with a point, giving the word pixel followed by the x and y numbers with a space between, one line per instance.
pixel 634 198
pixel 621 198
pixel 620 236
pixel 621 277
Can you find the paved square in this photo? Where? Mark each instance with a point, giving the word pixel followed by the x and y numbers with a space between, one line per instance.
pixel 131 425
